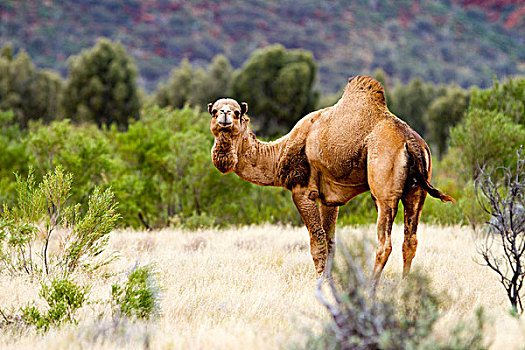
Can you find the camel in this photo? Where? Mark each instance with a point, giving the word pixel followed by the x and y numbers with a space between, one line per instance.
pixel 331 156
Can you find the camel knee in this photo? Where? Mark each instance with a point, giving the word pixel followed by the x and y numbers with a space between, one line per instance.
pixel 383 253
pixel 409 248
pixel 319 249
pixel 409 251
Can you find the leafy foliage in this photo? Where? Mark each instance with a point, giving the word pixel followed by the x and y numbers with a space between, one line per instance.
pixel 176 92
pixel 63 298
pixel 443 113
pixel 138 297
pixel 39 211
pixel 90 231
pixel 197 87
pixel 410 102
pixel 486 138
pixel 506 97
pixel 101 87
pixel 14 157
pixel 30 93
pixel 84 151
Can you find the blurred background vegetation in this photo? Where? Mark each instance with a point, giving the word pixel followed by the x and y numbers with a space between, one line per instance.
pixel 112 114
pixel 462 41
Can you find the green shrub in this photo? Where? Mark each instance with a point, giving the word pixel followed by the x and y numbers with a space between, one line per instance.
pixel 63 298
pixel 90 231
pixel 83 151
pixel 138 297
pixel 396 317
pixel 39 211
pixel 505 97
pixel 14 157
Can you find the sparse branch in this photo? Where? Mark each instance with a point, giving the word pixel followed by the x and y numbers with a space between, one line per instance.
pixel 503 200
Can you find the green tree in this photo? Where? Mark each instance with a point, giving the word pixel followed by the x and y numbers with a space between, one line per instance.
pixel 14 156
pixel 410 102
pixel 443 113
pixel 484 139
pixel 212 84
pixel 507 97
pixel 30 93
pixel 176 92
pixel 198 87
pixel 278 86
pixel 102 85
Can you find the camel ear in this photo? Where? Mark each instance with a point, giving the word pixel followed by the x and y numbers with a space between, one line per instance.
pixel 210 105
pixel 244 108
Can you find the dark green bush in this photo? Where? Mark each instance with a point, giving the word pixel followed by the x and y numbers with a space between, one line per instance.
pixel 101 87
pixel 63 298
pixel 138 297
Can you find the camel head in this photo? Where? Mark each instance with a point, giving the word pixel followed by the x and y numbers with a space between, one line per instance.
pixel 228 122
pixel 228 116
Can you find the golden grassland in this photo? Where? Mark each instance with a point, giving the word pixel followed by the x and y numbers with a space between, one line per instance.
pixel 253 288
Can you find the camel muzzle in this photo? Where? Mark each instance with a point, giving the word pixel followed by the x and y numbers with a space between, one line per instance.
pixel 224 119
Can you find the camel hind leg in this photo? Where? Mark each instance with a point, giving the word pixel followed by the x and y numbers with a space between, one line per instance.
pixel 387 174
pixel 413 201
pixel 386 212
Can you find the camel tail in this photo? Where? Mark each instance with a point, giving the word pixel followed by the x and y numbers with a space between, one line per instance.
pixel 422 173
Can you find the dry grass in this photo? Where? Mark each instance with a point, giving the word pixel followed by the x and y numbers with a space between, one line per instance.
pixel 252 288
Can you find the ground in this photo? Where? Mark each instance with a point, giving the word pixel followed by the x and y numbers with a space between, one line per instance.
pixel 253 288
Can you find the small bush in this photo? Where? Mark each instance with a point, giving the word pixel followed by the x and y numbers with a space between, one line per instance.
pixel 138 297
pixel 403 318
pixel 40 211
pixel 63 298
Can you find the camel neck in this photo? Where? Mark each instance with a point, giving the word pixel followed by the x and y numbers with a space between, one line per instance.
pixel 257 160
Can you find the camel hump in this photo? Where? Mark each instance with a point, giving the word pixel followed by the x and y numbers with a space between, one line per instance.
pixel 364 83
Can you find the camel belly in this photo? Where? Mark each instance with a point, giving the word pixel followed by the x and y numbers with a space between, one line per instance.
pixel 332 192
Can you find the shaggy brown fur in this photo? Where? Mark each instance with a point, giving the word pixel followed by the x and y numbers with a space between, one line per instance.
pixel 224 158
pixel 293 168
pixel 331 156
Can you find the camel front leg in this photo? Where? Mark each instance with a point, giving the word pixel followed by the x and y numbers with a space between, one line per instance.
pixel 310 213
pixel 328 220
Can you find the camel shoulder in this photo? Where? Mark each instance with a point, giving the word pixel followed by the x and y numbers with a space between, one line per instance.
pixel 293 168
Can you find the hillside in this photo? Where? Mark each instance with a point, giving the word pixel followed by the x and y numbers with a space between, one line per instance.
pixel 467 41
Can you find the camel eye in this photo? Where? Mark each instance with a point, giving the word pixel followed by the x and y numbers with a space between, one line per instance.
pixel 236 114
pixel 214 113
